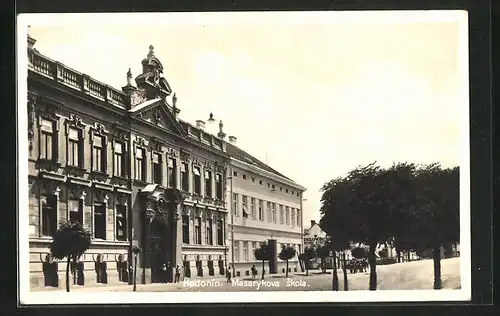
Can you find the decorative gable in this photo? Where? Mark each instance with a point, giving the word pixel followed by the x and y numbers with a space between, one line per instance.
pixel 156 112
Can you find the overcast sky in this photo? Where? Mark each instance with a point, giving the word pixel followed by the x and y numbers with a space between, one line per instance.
pixel 318 94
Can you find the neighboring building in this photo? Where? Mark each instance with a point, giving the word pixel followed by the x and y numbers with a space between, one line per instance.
pixel 125 165
pixel 266 207
pixel 314 235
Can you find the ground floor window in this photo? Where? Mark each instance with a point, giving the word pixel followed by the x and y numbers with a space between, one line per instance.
pixel 49 216
pixel 100 221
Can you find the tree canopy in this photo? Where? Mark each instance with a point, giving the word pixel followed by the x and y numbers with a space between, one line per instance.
pixel 71 240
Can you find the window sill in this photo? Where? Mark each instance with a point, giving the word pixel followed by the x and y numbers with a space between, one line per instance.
pixel 99 173
pixel 75 168
pixel 120 178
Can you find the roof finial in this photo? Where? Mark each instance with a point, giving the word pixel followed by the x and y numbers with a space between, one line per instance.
pixel 151 51
pixel 129 77
pixel 221 133
pixel 174 100
pixel 211 118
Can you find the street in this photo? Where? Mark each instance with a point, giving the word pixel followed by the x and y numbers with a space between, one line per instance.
pixel 416 275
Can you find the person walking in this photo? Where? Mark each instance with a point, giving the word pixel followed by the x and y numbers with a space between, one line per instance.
pixel 228 274
pixel 177 274
pixel 254 271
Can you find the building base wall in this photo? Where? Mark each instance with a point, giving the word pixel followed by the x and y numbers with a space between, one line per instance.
pixel 244 268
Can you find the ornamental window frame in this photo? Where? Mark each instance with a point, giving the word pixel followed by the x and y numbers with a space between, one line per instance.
pixel 98 130
pixel 74 122
pixel 54 120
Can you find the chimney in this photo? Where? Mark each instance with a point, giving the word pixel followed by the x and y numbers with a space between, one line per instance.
pixel 232 139
pixel 200 124
pixel 313 222
pixel 31 40
pixel 221 133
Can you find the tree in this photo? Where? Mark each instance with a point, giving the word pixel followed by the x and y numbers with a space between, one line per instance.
pixel 438 213
pixel 286 254
pixel 359 253
pixel 323 252
pixel 307 256
pixel 71 240
pixel 263 253
pixel 135 251
pixel 384 253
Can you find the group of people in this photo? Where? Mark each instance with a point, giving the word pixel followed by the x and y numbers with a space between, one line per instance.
pixel 166 269
pixel 228 273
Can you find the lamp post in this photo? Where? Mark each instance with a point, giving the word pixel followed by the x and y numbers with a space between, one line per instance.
pixel 232 221
pixel 302 221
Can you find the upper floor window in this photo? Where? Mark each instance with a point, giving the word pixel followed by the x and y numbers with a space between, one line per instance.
pixel 172 173
pixel 197 230
pixel 49 216
pixel 235 174
pixel 157 168
pixel 261 210
pixel 185 229
pixel 75 147
pixel 244 202
pixel 100 221
pixel 119 160
pixel 208 183
pixel 218 186
pixel 99 154
pixel 273 211
pixel 252 207
pixel 121 222
pixel 140 165
pixel 48 140
pixel 209 237
pixel 235 204
pixel 197 180
pixel 184 177
pixel 244 177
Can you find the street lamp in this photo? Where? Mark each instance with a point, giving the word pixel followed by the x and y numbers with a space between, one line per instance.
pixel 232 221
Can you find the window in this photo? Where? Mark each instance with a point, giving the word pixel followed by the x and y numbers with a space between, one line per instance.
pixel 218 186
pixel 100 221
pixel 261 211
pixel 236 251
pixel 76 213
pixel 208 183
pixel 197 230
pixel 245 251
pixel 184 177
pixel 297 193
pixel 293 193
pixel 282 215
pixel 74 148
pixel 272 186
pixel 121 222
pixel 252 207
pixel 254 247
pixel 268 185
pixel 197 180
pixel 286 190
pixel 172 173
pixel 49 216
pixel 220 232
pixel 245 206
pixel 48 136
pixel 281 189
pixel 287 215
pixel 140 165
pixel 293 217
pixel 269 216
pixel 244 177
pixel 235 174
pixel 253 179
pixel 298 217
pixel 274 212
pixel 157 174
pixel 260 182
pixel 185 229
pixel 98 154
pixel 235 204
pixel 119 160
pixel 209 237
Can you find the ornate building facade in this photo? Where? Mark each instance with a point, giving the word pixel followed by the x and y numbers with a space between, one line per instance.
pixel 123 164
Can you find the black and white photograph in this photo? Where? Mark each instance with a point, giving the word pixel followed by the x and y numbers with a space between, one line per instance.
pixel 243 157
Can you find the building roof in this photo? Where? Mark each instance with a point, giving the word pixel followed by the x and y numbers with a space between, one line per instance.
pixel 242 155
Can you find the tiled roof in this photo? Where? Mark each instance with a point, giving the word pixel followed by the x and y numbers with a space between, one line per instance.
pixel 242 155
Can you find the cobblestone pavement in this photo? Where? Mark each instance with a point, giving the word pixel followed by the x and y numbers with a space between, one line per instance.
pixel 417 275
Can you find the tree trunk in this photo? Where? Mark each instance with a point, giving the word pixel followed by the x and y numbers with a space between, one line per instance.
pixel 135 273
pixel 67 273
pixel 335 285
pixel 74 271
pixel 262 269
pixel 373 267
pixel 408 255
pixel 286 273
pixel 437 268
pixel 398 255
pixel 344 271
pixel 307 267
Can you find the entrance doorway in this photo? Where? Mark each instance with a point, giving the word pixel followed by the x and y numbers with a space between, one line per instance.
pixel 160 252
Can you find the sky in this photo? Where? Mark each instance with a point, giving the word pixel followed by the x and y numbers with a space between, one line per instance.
pixel 313 94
